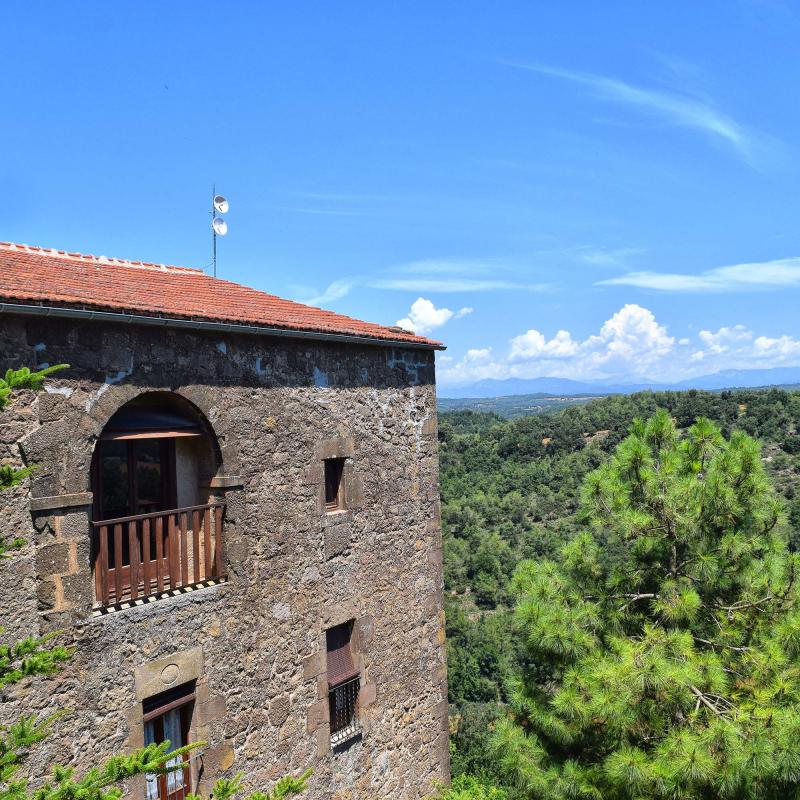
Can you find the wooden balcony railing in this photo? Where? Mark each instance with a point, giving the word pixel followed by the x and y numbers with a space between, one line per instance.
pixel 149 554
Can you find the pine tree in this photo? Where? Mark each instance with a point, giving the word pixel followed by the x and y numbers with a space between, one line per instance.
pixel 663 647
pixel 465 787
pixel 36 657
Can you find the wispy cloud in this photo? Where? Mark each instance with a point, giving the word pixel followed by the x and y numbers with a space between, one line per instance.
pixel 606 257
pixel 453 284
pixel 425 276
pixel 781 273
pixel 444 266
pixel 677 109
pixel 345 197
pixel 326 212
pixel 334 291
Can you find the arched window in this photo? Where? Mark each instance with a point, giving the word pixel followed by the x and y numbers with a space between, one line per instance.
pixel 156 529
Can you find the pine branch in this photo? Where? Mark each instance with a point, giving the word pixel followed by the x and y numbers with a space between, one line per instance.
pixel 701 698
pixel 24 378
pixel 30 656
pixel 721 644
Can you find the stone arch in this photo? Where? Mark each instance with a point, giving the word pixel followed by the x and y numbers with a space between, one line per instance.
pixel 181 441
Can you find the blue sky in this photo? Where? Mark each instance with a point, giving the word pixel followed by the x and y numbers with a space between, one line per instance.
pixel 573 189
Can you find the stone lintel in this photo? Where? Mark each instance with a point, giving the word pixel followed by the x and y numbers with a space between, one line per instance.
pixel 164 673
pixel 61 501
pixel 341 447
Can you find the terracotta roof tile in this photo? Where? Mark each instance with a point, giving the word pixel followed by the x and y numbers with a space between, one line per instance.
pixel 36 275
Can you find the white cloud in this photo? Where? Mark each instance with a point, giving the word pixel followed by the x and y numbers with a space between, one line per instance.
pixel 424 317
pixel 781 273
pixel 632 336
pixel 676 109
pixel 628 344
pixel 782 348
pixel 534 345
pixel 737 347
pixel 724 338
pixel 476 355
pixel 631 345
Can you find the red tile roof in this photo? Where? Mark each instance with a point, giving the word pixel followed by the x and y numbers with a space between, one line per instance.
pixel 35 275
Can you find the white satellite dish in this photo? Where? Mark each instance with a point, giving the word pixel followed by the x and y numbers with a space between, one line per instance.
pixel 221 204
pixel 220 226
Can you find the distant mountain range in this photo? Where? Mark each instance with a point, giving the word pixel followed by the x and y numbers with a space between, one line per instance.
pixel 549 387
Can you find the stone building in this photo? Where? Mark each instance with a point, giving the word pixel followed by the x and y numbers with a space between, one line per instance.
pixel 234 519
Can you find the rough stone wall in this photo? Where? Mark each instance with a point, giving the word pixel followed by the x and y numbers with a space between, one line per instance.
pixel 255 644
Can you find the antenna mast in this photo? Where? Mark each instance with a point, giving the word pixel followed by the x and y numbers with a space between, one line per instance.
pixel 219 227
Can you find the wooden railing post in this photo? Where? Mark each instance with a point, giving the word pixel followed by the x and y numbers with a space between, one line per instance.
pixel 174 553
pixel 146 566
pixel 218 571
pixel 196 545
pixel 133 554
pixel 102 595
pixel 207 540
pixel 159 554
pixel 184 537
pixel 117 562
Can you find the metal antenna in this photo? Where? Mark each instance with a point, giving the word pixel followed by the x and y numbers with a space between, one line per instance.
pixel 219 227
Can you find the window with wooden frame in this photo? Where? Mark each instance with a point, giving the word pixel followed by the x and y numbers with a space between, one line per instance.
pixel 344 681
pixel 168 717
pixel 334 485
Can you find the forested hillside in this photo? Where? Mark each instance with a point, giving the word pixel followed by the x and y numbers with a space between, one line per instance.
pixel 511 491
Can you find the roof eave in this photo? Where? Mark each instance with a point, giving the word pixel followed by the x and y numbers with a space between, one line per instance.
pixel 208 325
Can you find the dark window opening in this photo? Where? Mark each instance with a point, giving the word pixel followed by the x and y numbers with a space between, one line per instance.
pixel 334 470
pixel 168 717
pixel 344 681
pixel 134 477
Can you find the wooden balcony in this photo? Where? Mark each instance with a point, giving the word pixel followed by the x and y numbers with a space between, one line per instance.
pixel 147 555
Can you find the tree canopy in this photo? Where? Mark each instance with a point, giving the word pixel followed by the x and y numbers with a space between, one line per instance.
pixel 661 647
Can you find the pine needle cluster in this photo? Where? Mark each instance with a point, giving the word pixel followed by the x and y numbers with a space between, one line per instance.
pixel 663 647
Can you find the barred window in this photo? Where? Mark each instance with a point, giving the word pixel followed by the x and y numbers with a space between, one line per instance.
pixel 344 681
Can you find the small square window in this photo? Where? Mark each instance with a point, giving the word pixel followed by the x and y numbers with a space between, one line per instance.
pixel 334 495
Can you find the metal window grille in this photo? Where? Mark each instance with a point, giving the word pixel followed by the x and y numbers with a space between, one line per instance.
pixel 343 701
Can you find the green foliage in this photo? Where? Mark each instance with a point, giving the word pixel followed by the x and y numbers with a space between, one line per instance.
pixel 480 653
pixel 226 788
pixel 24 378
pixel 511 490
pixel 100 783
pixel 662 644
pixel 28 657
pixel 465 787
